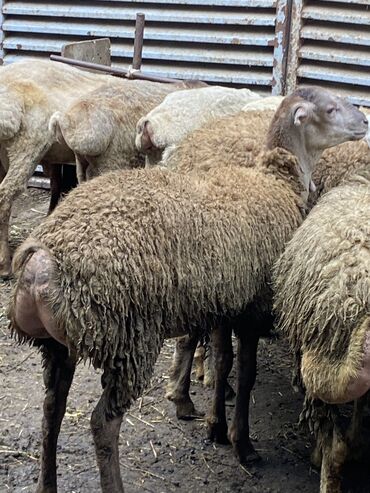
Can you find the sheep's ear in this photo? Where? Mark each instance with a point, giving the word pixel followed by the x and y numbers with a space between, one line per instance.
pixel 302 112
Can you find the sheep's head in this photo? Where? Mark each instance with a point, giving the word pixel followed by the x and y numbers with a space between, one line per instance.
pixel 313 119
pixel 331 119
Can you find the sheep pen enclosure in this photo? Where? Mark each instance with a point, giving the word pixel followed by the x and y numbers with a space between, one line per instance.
pixel 158 452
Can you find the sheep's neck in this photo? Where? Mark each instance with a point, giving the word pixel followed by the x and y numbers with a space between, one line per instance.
pixel 294 142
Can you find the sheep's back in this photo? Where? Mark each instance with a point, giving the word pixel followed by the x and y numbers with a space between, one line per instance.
pixel 235 140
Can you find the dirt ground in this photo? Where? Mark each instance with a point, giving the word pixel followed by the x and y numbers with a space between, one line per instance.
pixel 159 454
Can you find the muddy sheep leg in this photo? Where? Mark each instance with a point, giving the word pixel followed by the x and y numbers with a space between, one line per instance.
pixel 105 423
pixel 334 454
pixel 199 356
pixel 209 377
pixel 221 344
pixel 179 383
pixel 23 156
pixel 62 180
pixel 58 375
pixel 54 173
pixel 354 436
pixel 2 172
pixel 246 371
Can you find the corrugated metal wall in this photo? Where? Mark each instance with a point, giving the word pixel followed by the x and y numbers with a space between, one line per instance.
pixel 330 46
pixel 223 41
pixel 241 42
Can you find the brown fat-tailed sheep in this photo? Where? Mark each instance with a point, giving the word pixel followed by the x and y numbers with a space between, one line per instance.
pixel 241 136
pixel 92 286
pixel 100 127
pixel 322 302
pixel 30 92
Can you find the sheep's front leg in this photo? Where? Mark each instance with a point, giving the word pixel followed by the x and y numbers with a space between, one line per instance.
pixel 58 375
pixel 105 423
pixel 247 369
pixel 179 383
pixel 221 344
pixel 23 154
pixel 208 367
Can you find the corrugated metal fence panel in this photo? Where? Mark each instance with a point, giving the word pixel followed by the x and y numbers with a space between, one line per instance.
pixel 334 47
pixel 223 41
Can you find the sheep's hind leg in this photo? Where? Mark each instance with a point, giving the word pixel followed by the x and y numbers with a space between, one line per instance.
pixel 354 436
pixel 199 359
pixel 334 454
pixel 223 359
pixel 105 422
pixel 247 369
pixel 179 383
pixel 339 447
pixel 58 375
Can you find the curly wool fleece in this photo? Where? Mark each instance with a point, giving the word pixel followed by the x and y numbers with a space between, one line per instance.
pixel 322 291
pixel 145 254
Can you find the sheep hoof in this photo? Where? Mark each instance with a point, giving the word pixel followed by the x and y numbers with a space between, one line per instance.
pixel 5 272
pixel 217 432
pixel 245 452
pixel 46 489
pixel 187 411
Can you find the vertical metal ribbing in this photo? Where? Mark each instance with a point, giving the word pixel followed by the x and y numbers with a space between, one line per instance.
pixel 1 33
pixel 281 46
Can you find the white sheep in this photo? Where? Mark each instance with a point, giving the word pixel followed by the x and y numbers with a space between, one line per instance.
pixel 30 92
pixel 99 127
pixel 183 112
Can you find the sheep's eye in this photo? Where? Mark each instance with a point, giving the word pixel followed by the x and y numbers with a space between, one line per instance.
pixel 330 110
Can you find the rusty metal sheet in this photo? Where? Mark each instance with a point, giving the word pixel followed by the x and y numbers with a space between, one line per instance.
pixel 353 94
pixel 239 39
pixel 350 2
pixel 200 34
pixel 174 15
pixel 338 14
pixel 337 74
pixel 218 3
pixel 333 47
pixel 354 36
pixel 335 54
pixel 215 55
